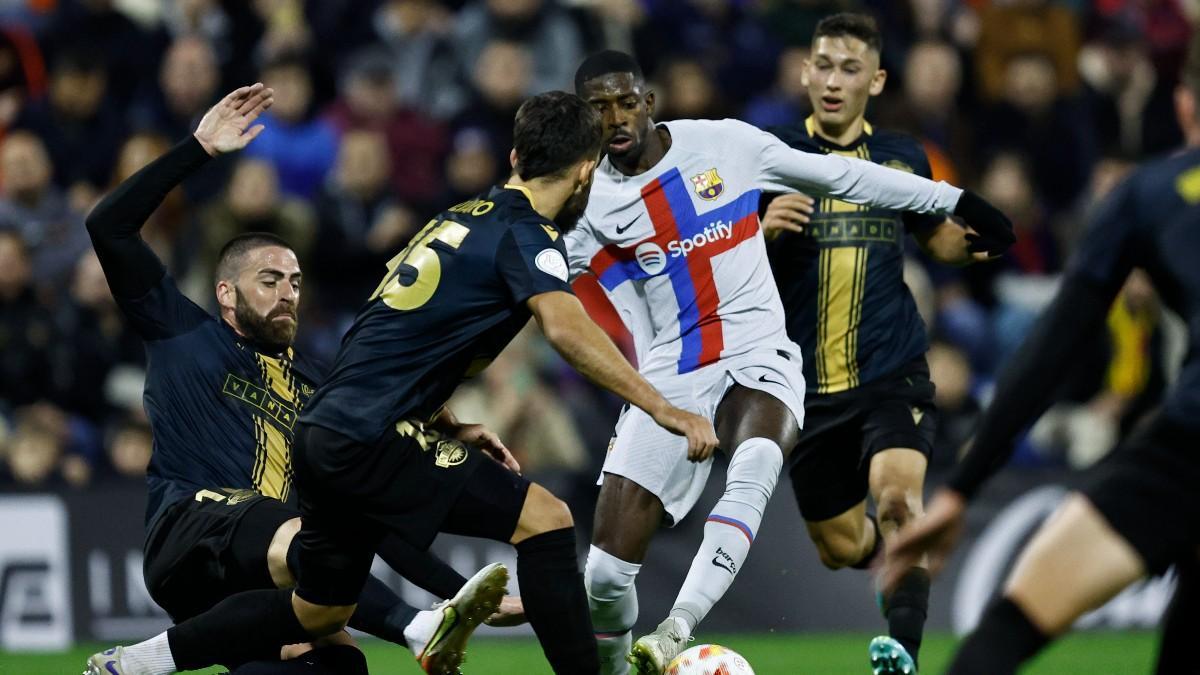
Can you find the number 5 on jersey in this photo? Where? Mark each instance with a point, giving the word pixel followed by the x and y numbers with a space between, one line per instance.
pixel 420 263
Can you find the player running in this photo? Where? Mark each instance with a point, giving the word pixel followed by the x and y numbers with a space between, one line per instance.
pixel 1137 513
pixel 369 459
pixel 869 406
pixel 222 395
pixel 672 235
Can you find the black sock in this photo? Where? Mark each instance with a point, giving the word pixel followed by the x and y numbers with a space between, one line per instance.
pixel 249 626
pixel 556 603
pixel 380 612
pixel 907 608
pixel 421 567
pixel 1004 639
pixel 1176 652
pixel 865 563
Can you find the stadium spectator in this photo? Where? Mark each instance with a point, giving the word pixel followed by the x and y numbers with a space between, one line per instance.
pixel 541 26
pixel 787 101
pixel 78 123
pixel 187 83
pixel 253 202
pixel 472 165
pixel 165 229
pixel 26 329
pixel 417 35
pixel 689 92
pixel 93 345
pixel 1020 28
pixel 33 206
pixel 299 145
pixel 416 144
pixel 930 109
pixel 501 77
pixel 1051 129
pixel 360 224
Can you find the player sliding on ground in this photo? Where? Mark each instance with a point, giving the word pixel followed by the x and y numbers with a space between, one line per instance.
pixel 672 234
pixel 369 457
pixel 222 395
pixel 1137 513
pixel 869 409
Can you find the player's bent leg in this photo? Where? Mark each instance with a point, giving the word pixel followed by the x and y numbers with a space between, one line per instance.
pixel 279 551
pixel 498 504
pixel 1075 563
pixel 846 540
pixel 896 479
pixel 627 516
pixel 552 585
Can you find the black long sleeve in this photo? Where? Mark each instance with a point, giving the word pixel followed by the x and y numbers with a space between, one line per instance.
pixel 130 266
pixel 1027 385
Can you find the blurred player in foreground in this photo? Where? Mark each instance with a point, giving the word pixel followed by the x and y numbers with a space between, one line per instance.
pixel 869 409
pixel 672 234
pixel 1138 512
pixel 223 395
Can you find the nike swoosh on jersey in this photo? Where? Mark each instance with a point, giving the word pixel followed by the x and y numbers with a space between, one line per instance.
pixel 763 379
pixel 722 566
pixel 621 230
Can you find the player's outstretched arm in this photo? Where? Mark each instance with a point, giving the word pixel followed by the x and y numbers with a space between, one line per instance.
pixel 585 346
pixel 114 224
pixel 858 181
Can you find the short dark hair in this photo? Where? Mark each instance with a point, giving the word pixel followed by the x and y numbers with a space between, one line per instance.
pixel 603 63
pixel 229 260
pixel 553 131
pixel 843 24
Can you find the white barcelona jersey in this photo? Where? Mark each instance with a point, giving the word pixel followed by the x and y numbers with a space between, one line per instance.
pixel 679 250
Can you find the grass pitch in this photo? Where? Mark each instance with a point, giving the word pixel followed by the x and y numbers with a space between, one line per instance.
pixel 811 654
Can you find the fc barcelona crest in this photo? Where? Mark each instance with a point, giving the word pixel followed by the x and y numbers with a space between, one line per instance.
pixel 708 184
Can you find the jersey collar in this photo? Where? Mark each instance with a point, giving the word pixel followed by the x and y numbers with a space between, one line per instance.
pixel 523 190
pixel 810 126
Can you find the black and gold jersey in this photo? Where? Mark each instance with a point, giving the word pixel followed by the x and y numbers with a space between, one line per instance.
pixel 223 411
pixel 841 281
pixel 449 303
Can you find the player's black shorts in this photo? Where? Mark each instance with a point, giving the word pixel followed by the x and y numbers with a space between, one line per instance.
pixel 413 484
pixel 1147 489
pixel 843 431
pixel 204 549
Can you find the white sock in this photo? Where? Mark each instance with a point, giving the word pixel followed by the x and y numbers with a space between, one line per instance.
pixel 613 600
pixel 418 632
pixel 152 657
pixel 730 529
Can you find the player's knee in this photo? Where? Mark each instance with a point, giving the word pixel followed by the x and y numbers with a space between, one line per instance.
pixel 837 550
pixel 321 621
pixel 606 577
pixel 897 506
pixel 542 512
pixel 278 552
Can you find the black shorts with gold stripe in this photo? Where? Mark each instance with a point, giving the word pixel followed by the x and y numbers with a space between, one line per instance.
pixel 842 431
pixel 209 547
pixel 412 482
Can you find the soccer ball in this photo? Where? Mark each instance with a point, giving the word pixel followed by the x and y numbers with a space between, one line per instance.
pixel 709 660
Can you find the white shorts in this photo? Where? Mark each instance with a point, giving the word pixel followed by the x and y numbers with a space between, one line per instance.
pixel 656 459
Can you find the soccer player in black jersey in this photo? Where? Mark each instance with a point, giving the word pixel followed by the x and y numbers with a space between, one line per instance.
pixel 371 455
pixel 1137 512
pixel 223 394
pixel 869 409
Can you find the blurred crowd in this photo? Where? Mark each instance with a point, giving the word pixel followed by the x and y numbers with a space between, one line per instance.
pixel 388 110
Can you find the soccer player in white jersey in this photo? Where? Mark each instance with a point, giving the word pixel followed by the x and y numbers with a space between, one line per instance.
pixel 672 234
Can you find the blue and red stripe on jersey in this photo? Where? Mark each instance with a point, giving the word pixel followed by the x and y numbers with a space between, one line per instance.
pixel 669 205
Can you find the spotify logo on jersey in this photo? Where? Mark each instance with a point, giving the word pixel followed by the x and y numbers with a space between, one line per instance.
pixel 650 257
